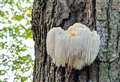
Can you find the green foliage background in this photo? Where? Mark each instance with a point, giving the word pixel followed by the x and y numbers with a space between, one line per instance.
pixel 16 45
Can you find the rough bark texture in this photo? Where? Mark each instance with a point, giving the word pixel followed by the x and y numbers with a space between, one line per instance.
pixel 51 13
pixel 108 17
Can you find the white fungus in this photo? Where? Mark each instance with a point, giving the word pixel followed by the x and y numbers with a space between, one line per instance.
pixel 78 46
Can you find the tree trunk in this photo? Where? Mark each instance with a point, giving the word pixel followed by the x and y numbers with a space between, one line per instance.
pixel 52 13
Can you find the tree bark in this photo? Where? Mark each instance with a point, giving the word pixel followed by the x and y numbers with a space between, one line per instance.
pixel 47 14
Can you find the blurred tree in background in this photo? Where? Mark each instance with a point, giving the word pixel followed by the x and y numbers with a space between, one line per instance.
pixel 16 45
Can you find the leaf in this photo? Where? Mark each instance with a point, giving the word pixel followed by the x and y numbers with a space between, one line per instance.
pixel 2 45
pixel 28 11
pixel 23 79
pixel 8 1
pixel 18 17
pixel 28 33
pixel 5 29
pixel 2 72
pixel 2 14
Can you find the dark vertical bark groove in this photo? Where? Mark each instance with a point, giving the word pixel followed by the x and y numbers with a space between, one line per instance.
pixel 88 74
pixel 109 73
pixel 94 13
pixel 118 38
pixel 98 70
pixel 108 19
pixel 108 14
